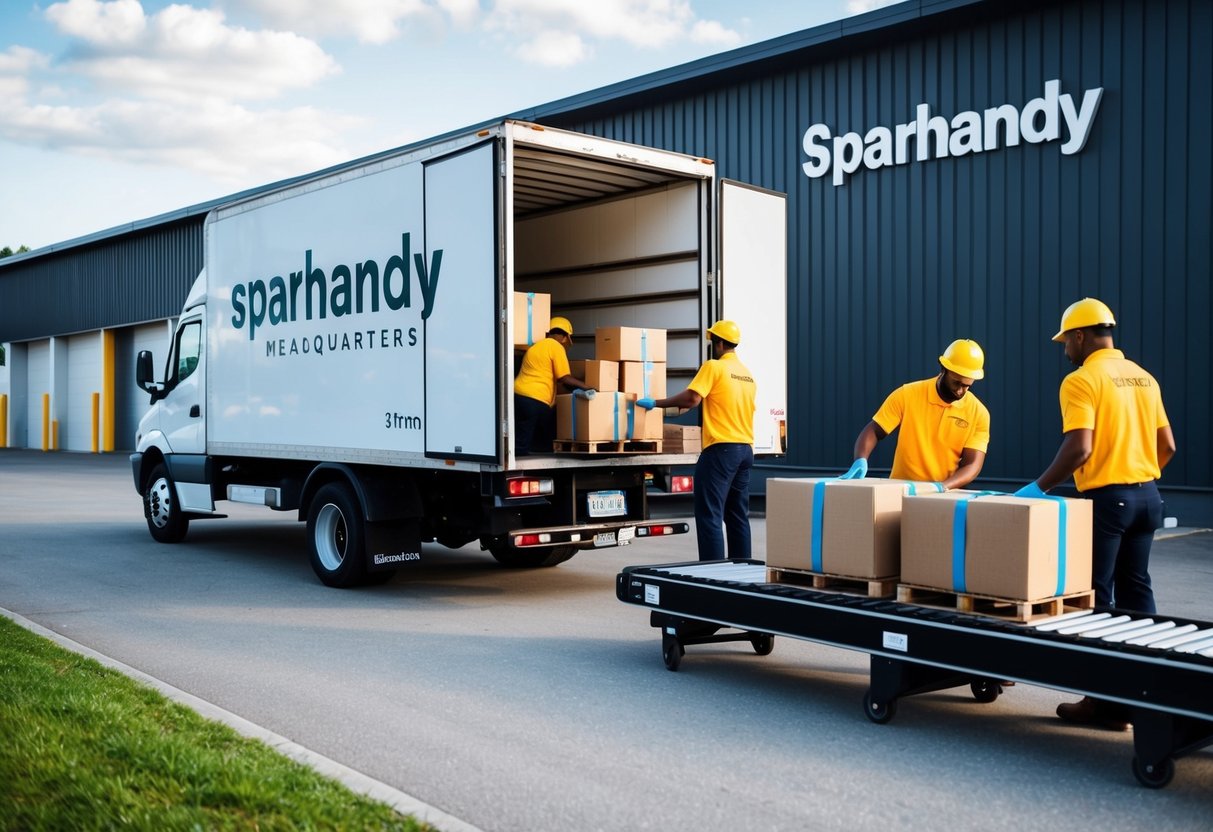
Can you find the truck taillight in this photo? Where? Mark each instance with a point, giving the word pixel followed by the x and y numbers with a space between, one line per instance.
pixel 528 487
pixel 682 485
pixel 654 531
pixel 532 539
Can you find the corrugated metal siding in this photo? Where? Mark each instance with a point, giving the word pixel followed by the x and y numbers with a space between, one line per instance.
pixel 114 282
pixel 887 269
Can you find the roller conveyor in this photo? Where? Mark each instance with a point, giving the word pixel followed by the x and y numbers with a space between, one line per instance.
pixel 1160 668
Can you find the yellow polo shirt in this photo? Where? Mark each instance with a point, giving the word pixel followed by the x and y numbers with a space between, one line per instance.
pixel 1122 405
pixel 728 389
pixel 933 432
pixel 544 364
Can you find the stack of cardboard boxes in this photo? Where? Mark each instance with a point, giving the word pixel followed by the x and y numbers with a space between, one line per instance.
pixel 975 543
pixel 629 364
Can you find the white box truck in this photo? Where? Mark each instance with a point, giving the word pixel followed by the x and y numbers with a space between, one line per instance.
pixel 346 352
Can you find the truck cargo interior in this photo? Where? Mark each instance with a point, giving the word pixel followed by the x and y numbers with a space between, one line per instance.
pixel 614 245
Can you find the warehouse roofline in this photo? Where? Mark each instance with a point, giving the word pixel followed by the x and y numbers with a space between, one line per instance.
pixel 692 71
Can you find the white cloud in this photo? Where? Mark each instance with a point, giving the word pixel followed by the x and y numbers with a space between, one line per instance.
pixel 861 6
pixel 15 64
pixel 116 22
pixel 173 84
pixel 228 142
pixel 182 52
pixel 646 24
pixel 557 49
pixel 370 21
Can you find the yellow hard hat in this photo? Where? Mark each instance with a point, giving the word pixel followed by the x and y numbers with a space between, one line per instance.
pixel 727 330
pixel 1082 313
pixel 965 358
pixel 562 324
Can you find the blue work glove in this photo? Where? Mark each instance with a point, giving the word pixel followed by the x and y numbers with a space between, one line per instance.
pixel 585 394
pixel 1029 490
pixel 857 471
pixel 647 403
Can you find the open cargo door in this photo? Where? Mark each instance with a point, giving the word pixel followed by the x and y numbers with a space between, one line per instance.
pixel 462 362
pixel 753 280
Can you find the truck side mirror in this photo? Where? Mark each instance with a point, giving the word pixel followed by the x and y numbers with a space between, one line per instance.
pixel 145 374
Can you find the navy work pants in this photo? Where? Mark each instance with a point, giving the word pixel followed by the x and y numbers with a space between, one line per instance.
pixel 722 496
pixel 1125 519
pixel 535 426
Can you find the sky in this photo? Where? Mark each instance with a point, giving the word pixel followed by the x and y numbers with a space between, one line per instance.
pixel 114 111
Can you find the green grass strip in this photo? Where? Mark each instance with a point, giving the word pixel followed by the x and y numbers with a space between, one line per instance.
pixel 83 747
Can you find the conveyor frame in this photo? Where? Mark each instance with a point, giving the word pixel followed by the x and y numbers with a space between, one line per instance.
pixel 918 649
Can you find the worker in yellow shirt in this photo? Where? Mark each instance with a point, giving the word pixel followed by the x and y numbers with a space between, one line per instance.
pixel 945 429
pixel 726 388
pixel 1116 441
pixel 544 366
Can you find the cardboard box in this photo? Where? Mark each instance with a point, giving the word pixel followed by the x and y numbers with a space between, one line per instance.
pixel 682 439
pixel 682 433
pixel 532 317
pixel 606 417
pixel 1010 545
pixel 860 533
pixel 644 378
pixel 603 376
pixel 683 446
pixel 627 343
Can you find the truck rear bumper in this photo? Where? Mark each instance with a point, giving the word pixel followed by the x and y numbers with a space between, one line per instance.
pixel 597 535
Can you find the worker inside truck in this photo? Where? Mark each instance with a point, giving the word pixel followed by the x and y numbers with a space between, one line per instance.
pixel 544 366
pixel 945 429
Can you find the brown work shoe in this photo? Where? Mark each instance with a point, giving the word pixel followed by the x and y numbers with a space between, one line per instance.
pixel 1093 712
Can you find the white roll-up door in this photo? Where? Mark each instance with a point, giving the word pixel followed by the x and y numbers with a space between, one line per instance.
pixel 83 380
pixel 38 381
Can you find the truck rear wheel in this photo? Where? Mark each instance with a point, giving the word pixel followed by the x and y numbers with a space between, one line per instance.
pixel 337 536
pixel 507 555
pixel 165 519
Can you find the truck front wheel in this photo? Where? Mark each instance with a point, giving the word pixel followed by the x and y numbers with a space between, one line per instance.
pixel 337 536
pixel 165 519
pixel 514 558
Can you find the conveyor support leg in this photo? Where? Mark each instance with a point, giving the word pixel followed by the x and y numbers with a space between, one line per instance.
pixel 1159 738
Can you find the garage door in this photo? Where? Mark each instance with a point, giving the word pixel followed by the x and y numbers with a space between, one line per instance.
pixel 131 402
pixel 83 380
pixel 38 381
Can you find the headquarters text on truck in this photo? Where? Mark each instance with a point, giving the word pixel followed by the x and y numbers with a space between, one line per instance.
pixel 343 291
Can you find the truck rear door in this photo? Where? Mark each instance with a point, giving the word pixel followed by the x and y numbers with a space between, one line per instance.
pixel 753 292
pixel 462 362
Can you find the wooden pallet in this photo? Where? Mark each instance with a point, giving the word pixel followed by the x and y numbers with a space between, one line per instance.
pixel 1009 609
pixel 606 446
pixel 870 587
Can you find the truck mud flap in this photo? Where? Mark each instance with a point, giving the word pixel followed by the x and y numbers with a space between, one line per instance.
pixel 391 545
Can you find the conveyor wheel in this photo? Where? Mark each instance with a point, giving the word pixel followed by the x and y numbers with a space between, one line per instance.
pixel 672 652
pixel 763 643
pixel 879 712
pixel 1154 776
pixel 985 690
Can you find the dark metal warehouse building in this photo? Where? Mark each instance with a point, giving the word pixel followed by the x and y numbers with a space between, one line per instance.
pixel 1068 156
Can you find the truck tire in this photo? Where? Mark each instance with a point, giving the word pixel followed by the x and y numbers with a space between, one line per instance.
pixel 165 519
pixel 336 535
pixel 513 558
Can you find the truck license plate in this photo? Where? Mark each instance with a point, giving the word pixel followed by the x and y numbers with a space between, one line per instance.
pixel 602 539
pixel 607 503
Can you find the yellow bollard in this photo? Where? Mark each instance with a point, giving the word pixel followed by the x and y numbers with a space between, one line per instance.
pixel 3 420
pixel 96 421
pixel 46 422
pixel 54 434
